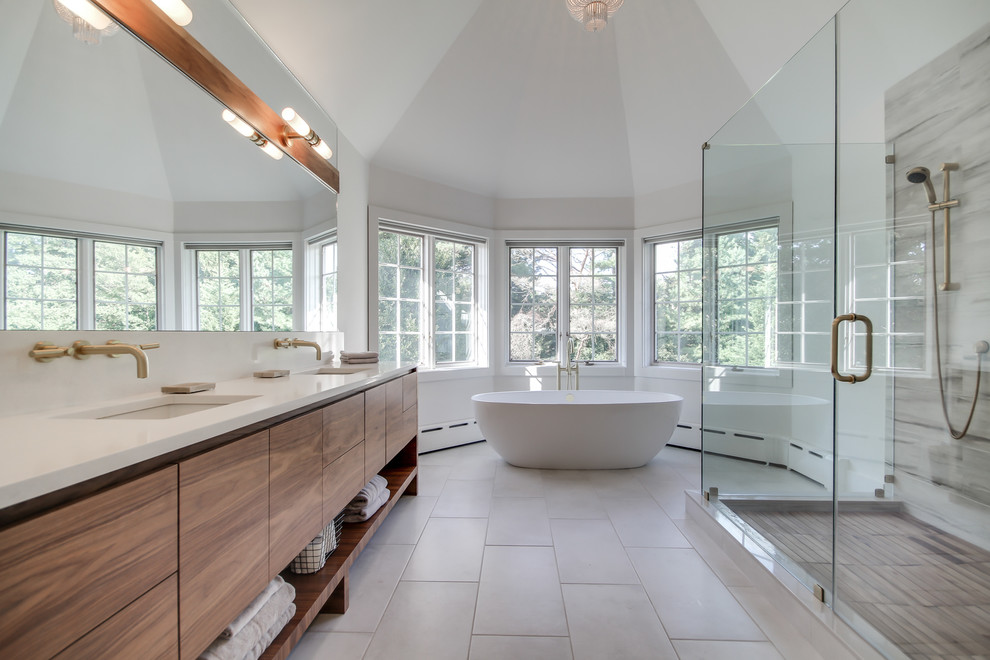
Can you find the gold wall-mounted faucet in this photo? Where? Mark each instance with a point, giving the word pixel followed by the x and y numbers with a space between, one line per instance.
pixel 296 343
pixel 44 351
pixel 83 349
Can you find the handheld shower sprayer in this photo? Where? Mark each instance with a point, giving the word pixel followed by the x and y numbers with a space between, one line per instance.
pixel 923 175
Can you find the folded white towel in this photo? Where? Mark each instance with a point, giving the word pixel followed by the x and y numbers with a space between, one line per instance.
pixel 254 631
pixel 251 610
pixel 369 493
pixel 371 509
pixel 272 633
pixel 360 355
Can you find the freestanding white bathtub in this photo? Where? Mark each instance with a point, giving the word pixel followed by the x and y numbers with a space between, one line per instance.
pixel 577 429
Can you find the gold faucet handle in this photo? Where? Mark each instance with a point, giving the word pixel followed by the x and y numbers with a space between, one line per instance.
pixel 283 343
pixel 44 351
pixel 147 347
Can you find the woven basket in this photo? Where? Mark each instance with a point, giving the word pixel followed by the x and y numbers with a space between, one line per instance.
pixel 314 555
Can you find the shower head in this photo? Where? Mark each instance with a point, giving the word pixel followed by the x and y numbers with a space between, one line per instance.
pixel 923 175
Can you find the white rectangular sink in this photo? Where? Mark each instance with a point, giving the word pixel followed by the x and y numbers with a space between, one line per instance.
pixel 163 407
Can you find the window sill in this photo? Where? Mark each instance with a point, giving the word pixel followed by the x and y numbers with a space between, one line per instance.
pixel 671 371
pixel 436 374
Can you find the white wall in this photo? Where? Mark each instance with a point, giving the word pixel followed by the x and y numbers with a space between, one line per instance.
pixel 352 246
pixel 393 190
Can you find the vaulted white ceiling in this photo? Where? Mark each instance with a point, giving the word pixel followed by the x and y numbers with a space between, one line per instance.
pixel 513 99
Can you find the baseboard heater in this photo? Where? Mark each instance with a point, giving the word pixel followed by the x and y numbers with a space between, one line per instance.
pixel 448 434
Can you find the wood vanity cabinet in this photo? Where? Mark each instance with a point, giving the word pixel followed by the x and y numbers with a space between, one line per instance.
pixel 223 538
pixel 374 432
pixel 401 414
pixel 65 572
pixel 295 487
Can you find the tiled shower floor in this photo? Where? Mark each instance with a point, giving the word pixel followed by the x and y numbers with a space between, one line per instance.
pixel 925 590
pixel 491 562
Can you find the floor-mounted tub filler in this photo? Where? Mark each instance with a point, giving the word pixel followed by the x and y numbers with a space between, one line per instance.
pixel 577 429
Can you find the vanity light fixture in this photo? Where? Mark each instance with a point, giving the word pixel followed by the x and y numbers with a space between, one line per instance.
pixel 245 129
pixel 302 130
pixel 593 13
pixel 177 10
pixel 88 22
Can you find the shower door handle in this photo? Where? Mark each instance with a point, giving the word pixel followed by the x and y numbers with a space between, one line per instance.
pixel 836 322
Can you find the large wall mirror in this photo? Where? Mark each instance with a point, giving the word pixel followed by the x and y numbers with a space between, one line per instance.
pixel 126 202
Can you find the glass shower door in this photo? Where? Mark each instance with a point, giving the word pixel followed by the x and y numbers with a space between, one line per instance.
pixel 769 299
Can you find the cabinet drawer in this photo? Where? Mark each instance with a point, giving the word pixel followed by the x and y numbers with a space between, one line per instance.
pixel 295 488
pixel 374 432
pixel 409 392
pixel 223 532
pixel 67 571
pixel 342 480
pixel 343 427
pixel 148 628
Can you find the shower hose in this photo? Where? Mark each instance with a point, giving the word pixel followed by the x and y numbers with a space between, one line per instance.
pixel 938 358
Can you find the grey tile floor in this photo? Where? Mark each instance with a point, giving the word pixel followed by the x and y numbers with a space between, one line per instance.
pixel 493 562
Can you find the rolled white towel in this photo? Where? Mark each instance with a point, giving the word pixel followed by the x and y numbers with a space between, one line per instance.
pixel 370 492
pixel 371 509
pixel 359 355
pixel 251 610
pixel 240 645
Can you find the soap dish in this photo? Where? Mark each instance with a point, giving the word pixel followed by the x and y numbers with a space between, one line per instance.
pixel 188 388
pixel 271 373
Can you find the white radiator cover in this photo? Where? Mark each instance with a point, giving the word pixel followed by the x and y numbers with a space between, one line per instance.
pixel 448 434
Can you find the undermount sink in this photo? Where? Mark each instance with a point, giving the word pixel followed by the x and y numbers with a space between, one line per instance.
pixel 164 407
pixel 340 370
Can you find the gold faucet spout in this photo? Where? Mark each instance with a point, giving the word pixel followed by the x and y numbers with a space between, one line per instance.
pixel 82 349
pixel 311 344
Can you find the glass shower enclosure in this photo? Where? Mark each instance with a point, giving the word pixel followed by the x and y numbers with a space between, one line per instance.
pixel 826 285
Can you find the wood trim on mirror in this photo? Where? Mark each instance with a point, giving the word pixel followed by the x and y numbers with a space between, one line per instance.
pixel 148 23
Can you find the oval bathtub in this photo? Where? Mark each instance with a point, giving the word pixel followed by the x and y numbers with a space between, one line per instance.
pixel 577 429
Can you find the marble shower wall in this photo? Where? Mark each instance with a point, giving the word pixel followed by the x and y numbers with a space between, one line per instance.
pixel 941 113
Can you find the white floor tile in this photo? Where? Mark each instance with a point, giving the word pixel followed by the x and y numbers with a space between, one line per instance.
pixel 464 499
pixel 785 636
pixel 475 469
pixel 449 550
pixel 339 646
pixel 426 620
pixel 431 479
pixel 484 647
pixel 614 621
pixel 726 569
pixel 570 495
pixel 512 481
pixel 616 483
pixel 519 521
pixel 670 496
pixel 519 593
pixel 373 579
pixel 642 523
pixel 589 552
pixel 690 599
pixel 406 521
pixel 695 649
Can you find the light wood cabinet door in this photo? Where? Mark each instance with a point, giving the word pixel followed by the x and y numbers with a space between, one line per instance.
pixel 374 432
pixel 342 480
pixel 148 629
pixel 67 571
pixel 223 538
pixel 410 393
pixel 343 427
pixel 394 424
pixel 295 488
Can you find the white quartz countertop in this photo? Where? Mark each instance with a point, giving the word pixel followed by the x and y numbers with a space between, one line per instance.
pixel 43 452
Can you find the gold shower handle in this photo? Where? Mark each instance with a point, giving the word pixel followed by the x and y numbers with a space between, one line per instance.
pixel 836 322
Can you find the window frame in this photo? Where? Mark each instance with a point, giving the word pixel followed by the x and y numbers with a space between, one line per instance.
pixel 319 319
pixel 245 293
pixel 649 246
pixel 563 295
pixel 429 235
pixel 85 269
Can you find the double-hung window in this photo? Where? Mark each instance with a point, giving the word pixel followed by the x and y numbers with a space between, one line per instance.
pixel 563 291
pixel 61 280
pixel 742 295
pixel 243 287
pixel 321 282
pixel 429 303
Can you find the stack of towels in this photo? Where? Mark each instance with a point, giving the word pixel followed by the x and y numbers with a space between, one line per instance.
pixel 366 357
pixel 247 636
pixel 368 500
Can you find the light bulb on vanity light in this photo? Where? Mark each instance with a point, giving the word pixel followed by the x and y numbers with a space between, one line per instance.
pixel 177 10
pixel 87 11
pixel 303 130
pixel 247 131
